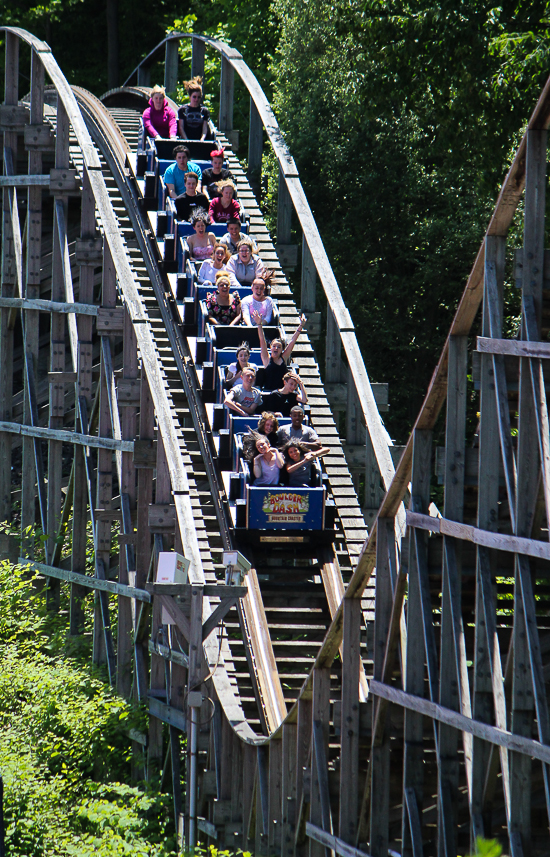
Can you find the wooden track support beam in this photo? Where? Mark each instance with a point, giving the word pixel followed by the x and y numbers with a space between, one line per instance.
pixel 523 697
pixel 451 635
pixel 30 318
pixel 413 754
pixel 488 688
pixel 11 89
pixel 84 368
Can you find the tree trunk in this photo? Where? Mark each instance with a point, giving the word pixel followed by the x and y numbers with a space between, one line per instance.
pixel 112 44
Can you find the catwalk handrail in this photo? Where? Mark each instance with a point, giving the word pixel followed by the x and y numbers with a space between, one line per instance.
pixel 378 434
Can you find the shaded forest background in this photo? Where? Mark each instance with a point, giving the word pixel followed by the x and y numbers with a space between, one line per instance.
pixel 402 118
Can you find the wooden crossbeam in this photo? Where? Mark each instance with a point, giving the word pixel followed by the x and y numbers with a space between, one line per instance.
pixel 176 615
pixel 513 347
pixel 210 590
pixel 493 734
pixel 68 437
pixel 84 580
pixel 168 654
pixel 217 615
pixel 167 713
pixel 332 842
pixel 41 180
pixel 468 533
pixel 49 306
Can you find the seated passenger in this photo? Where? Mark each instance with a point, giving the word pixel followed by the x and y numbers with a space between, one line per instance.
pixel 267 464
pixel 210 267
pixel 174 176
pixel 243 398
pixel 282 401
pixel 159 119
pixel 193 117
pixel 274 359
pixel 224 206
pixel 233 236
pixel 296 431
pixel 245 266
pixel 258 305
pixel 214 174
pixel 299 461
pixel 233 372
pixel 223 308
pixel 268 425
pixel 201 244
pixel 189 202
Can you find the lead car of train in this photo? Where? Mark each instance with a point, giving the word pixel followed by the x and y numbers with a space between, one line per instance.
pixel 260 515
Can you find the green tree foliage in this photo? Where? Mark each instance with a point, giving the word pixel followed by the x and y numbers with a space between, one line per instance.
pixel 64 752
pixel 249 27
pixel 76 32
pixel 487 848
pixel 402 117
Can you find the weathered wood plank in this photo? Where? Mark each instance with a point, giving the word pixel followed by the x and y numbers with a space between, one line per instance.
pixel 500 541
pixel 332 842
pixel 319 812
pixel 349 746
pixel 87 582
pixel 500 737
pixel 413 774
pixel 49 306
pixel 31 319
pixel 68 437
pixel 450 687
pixel 25 181
pixel 513 347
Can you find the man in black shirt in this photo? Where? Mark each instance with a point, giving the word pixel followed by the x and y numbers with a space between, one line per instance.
pixel 187 203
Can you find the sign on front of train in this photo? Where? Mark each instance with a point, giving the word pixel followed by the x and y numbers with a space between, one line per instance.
pixel 288 508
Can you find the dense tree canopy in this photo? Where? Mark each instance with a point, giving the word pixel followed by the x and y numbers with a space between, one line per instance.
pixel 402 117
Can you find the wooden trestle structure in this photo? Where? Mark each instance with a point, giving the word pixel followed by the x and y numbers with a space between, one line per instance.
pixel 413 716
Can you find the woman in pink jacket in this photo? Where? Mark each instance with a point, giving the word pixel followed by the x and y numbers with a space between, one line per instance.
pixel 159 118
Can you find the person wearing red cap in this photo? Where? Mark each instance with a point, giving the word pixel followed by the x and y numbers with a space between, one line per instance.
pixel 215 174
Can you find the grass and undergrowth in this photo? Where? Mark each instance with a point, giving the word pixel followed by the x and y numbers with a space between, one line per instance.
pixel 65 753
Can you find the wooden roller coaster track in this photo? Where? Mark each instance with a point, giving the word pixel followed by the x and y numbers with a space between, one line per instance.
pixel 327 708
